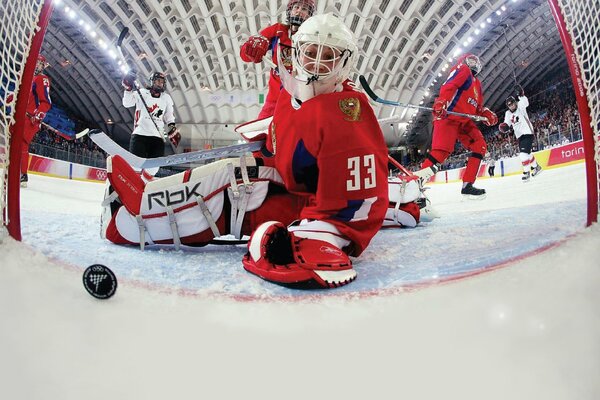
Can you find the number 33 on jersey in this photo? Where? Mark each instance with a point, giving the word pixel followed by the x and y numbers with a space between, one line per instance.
pixel 365 180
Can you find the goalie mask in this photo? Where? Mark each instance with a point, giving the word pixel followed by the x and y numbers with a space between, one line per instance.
pixel 511 103
pixel 299 11
pixel 158 82
pixel 323 55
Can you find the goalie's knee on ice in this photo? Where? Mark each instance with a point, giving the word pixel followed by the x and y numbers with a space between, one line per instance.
pixel 277 255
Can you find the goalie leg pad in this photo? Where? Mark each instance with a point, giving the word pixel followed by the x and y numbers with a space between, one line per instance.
pixel 279 256
pixel 187 206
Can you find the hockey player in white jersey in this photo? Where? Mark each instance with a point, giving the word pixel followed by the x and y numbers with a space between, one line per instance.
pixel 517 118
pixel 153 110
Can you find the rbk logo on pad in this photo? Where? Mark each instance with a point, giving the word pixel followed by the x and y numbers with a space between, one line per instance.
pixel 169 198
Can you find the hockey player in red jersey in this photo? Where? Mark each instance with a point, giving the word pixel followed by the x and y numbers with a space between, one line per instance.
pixel 37 107
pixel 276 38
pixel 460 93
pixel 323 200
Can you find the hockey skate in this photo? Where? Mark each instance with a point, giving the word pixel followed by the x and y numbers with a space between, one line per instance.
pixel 471 192
pixel 536 171
pixel 24 180
pixel 526 176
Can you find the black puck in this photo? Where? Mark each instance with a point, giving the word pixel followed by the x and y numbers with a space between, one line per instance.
pixel 99 281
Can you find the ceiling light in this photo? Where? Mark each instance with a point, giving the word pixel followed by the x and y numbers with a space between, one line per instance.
pixel 489 20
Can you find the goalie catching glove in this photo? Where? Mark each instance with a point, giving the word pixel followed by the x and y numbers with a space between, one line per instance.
pixel 278 255
pixel 174 135
pixel 492 118
pixel 255 48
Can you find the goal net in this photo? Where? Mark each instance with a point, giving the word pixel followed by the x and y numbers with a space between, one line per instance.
pixel 22 27
pixel 578 24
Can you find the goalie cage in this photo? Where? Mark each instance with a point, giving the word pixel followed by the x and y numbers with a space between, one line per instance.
pixel 23 24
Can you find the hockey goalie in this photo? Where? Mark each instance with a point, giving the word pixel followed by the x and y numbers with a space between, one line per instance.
pixel 317 200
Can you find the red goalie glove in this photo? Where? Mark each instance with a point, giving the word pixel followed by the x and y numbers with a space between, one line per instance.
pixel 439 109
pixel 174 135
pixel 277 255
pixel 255 48
pixel 504 127
pixel 492 119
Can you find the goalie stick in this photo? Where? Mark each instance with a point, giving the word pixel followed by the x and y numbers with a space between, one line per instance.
pixel 377 99
pixel 63 135
pixel 113 148
pixel 136 84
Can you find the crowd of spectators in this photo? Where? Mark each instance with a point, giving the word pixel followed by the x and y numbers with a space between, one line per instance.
pixel 81 151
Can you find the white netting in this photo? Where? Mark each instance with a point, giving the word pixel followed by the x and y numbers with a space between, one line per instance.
pixel 582 20
pixel 18 23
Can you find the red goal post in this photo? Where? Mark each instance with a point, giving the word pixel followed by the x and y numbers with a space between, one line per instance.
pixel 578 23
pixel 22 27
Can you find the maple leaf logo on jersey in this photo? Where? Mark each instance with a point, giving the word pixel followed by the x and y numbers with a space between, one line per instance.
pixel 153 108
pixel 350 107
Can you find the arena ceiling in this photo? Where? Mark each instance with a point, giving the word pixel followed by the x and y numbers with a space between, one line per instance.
pixel 405 48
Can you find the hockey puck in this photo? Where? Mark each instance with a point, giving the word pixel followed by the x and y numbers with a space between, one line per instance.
pixel 99 281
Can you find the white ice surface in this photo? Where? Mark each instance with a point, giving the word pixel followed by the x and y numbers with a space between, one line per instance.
pixel 405 329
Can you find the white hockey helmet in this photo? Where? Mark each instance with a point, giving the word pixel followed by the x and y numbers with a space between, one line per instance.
pixel 323 55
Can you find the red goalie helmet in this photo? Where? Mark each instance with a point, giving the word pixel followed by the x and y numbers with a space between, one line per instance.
pixel 299 11
pixel 41 64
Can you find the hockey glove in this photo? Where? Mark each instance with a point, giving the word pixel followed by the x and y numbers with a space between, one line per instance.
pixel 519 90
pixel 255 48
pixel 174 135
pixel 277 255
pixel 504 127
pixel 439 109
pixel 36 117
pixel 129 79
pixel 491 117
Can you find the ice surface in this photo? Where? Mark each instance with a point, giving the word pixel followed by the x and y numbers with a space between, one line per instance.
pixel 420 322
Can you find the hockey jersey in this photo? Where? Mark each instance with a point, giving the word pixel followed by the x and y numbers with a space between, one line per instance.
pixel 519 119
pixel 462 91
pixel 160 108
pixel 331 150
pixel 40 95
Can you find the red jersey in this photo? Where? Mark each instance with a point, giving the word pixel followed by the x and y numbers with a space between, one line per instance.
pixel 331 150
pixel 40 95
pixel 462 91
pixel 276 34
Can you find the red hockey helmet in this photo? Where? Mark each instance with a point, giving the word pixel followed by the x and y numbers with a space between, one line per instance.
pixel 299 11
pixel 41 64
pixel 471 61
